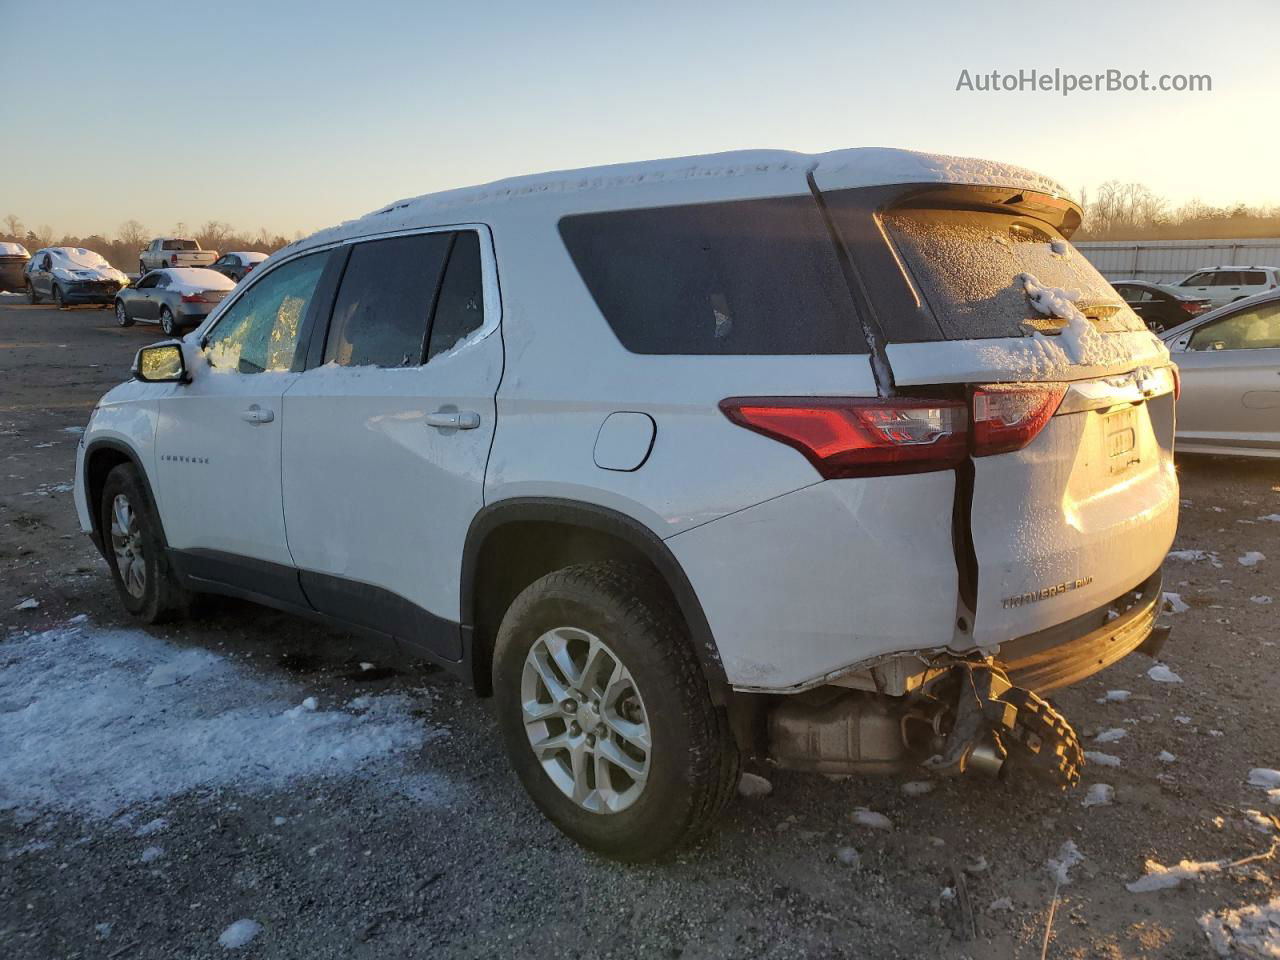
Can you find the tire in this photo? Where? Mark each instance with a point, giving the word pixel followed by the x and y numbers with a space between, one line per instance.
pixel 122 315
pixel 32 297
pixel 142 269
pixel 57 297
pixel 131 533
pixel 690 768
pixel 166 323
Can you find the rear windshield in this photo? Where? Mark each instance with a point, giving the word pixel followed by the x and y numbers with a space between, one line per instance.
pixel 744 277
pixel 180 245
pixel 966 264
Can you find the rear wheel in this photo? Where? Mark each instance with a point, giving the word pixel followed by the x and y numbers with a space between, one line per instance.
pixel 606 715
pixel 57 297
pixel 32 297
pixel 122 315
pixel 135 550
pixel 167 323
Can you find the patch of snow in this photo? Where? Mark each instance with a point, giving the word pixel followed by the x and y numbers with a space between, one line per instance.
pixel 239 934
pixel 869 818
pixel 365 665
pixel 197 280
pixel 279 821
pixel 1271 518
pixel 152 826
pixel 1161 673
pixel 28 604
pixel 1185 721
pixel 1264 777
pixel 73 429
pixel 1080 339
pixel 1102 759
pixel 752 785
pixel 1191 556
pixel 1259 821
pixel 1173 603
pixel 1249 933
pixel 1099 795
pixel 918 788
pixel 1251 558
pixel 1164 756
pixel 1114 696
pixel 1059 867
pixel 1261 600
pixel 1111 735
pixel 151 853
pixel 1164 878
pixel 1000 904
pixel 850 857
pixel 98 720
pixel 11 249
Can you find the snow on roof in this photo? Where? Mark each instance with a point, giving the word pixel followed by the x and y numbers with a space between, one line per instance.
pixel 12 250
pixel 248 256
pixel 199 278
pixel 80 256
pixel 854 167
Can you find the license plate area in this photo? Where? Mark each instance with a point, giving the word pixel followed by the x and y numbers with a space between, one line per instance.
pixel 1120 440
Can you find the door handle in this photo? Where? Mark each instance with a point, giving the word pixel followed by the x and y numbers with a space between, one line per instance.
pixel 453 419
pixel 256 414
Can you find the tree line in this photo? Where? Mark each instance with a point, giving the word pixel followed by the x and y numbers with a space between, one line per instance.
pixel 1132 211
pixel 121 251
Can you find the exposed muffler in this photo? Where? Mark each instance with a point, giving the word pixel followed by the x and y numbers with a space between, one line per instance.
pixel 968 718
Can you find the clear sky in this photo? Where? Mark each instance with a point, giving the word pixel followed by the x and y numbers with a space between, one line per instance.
pixel 294 115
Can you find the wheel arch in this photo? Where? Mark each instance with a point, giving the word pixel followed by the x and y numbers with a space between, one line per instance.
pixel 513 542
pixel 100 458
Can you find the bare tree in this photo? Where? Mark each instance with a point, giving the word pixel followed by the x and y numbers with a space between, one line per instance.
pixel 13 226
pixel 214 235
pixel 44 233
pixel 133 234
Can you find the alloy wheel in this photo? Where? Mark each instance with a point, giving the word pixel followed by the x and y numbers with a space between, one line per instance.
pixel 166 322
pixel 585 720
pixel 122 318
pixel 126 544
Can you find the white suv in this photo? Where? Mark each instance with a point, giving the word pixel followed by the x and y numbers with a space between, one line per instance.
pixel 811 459
pixel 1221 285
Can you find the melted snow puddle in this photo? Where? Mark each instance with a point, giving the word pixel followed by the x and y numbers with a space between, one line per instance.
pixel 95 722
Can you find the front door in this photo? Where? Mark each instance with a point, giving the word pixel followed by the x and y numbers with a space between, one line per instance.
pixel 386 439
pixel 218 437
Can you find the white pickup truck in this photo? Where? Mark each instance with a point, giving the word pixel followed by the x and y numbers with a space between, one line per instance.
pixel 174 252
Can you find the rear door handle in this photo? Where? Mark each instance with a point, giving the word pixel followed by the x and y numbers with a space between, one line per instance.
pixel 453 419
pixel 257 414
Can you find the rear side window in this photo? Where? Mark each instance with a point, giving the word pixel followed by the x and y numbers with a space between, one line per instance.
pixel 745 277
pixel 966 264
pixel 384 304
pixel 460 307
pixel 1253 278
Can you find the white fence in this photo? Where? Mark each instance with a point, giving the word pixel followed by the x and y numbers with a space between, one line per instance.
pixel 1166 261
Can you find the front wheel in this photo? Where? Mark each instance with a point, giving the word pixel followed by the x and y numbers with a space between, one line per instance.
pixel 134 547
pixel 606 715
pixel 167 323
pixel 57 297
pixel 122 315
pixel 32 297
pixel 142 269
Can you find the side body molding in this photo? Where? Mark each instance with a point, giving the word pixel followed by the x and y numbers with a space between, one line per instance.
pixel 600 521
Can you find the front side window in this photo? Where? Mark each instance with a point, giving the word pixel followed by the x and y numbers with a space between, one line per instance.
pixel 1257 328
pixel 259 332
pixel 383 307
pixel 736 278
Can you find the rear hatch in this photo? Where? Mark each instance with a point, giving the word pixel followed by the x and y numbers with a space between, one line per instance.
pixel 974 294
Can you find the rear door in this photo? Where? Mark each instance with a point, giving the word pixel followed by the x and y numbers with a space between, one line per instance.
pixel 388 433
pixel 1069 498
pixel 1230 368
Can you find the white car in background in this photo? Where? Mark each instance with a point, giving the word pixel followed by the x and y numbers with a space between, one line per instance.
pixel 174 252
pixel 1229 362
pixel 71 275
pixel 1221 285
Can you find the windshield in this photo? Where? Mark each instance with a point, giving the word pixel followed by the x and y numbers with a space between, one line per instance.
pixel 967 263
pixel 82 259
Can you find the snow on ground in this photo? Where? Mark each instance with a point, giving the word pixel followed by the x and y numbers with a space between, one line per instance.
pixel 1068 856
pixel 1251 558
pixel 1159 877
pixel 95 721
pixel 1252 931
pixel 1173 603
pixel 239 933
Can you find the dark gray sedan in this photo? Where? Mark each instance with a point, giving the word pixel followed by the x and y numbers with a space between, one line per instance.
pixel 175 298
pixel 238 264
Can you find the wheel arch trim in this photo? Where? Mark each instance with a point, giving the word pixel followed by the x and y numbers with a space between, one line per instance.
pixel 130 454
pixel 595 518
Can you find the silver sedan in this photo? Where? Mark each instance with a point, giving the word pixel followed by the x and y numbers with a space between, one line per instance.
pixel 1229 361
pixel 175 297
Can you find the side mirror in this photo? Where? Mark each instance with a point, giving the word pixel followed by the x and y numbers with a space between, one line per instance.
pixel 161 363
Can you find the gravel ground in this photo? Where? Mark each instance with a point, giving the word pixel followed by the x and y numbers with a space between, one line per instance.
pixel 434 847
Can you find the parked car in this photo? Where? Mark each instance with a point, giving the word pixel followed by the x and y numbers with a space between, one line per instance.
pixel 174 252
pixel 237 265
pixel 175 298
pixel 70 275
pixel 1221 285
pixel 13 262
pixel 1159 307
pixel 629 450
pixel 1229 361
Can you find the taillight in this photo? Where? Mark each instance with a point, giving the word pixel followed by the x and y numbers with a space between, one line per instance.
pixel 861 437
pixel 173 261
pixel 1008 418
pixel 1194 307
pixel 194 298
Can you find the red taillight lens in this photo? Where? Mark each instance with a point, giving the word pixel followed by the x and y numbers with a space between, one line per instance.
pixel 861 437
pixel 1008 418
pixel 1194 307
pixel 194 298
